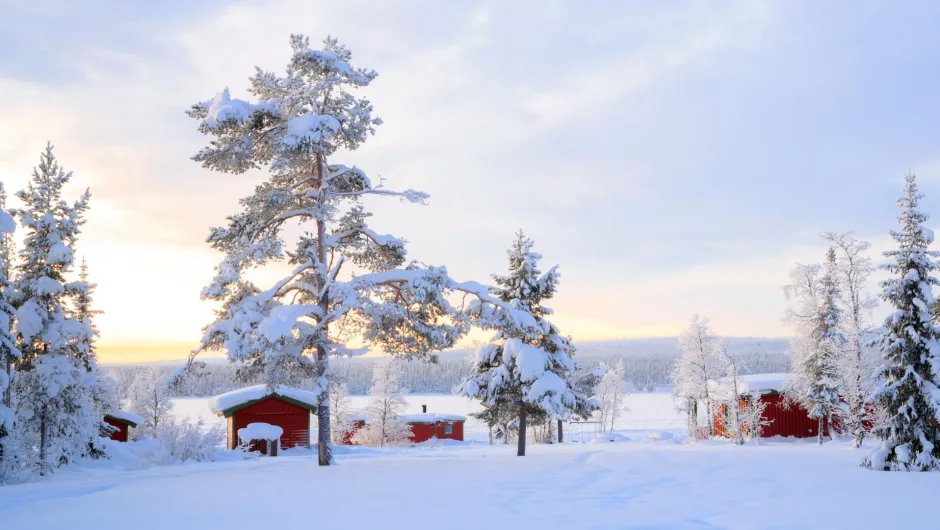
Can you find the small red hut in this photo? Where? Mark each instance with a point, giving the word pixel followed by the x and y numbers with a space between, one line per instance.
pixel 121 421
pixel 441 426
pixel 286 407
pixel 423 427
pixel 783 418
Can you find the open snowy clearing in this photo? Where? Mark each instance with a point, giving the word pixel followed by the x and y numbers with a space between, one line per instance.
pixel 572 486
pixel 642 483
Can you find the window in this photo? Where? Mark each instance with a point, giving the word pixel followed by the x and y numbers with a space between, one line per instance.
pixel 448 428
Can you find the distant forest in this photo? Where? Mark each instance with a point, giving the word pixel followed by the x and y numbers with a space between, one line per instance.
pixel 648 363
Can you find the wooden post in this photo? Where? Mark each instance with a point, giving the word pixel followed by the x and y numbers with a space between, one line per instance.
pixel 561 435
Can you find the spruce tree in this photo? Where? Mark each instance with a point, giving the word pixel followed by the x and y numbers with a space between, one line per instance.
pixel 818 372
pixel 526 368
pixel 909 344
pixel 54 388
pixel 9 353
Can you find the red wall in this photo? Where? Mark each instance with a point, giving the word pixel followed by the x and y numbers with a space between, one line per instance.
pixel 294 419
pixel 785 421
pixel 422 432
pixel 119 435
pixel 348 435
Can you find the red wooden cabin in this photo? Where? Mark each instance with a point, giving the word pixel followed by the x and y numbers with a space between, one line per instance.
pixel 121 421
pixel 786 419
pixel 288 408
pixel 423 427
pixel 427 426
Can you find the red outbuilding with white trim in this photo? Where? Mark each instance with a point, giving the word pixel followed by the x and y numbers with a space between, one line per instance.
pixel 121 421
pixel 283 406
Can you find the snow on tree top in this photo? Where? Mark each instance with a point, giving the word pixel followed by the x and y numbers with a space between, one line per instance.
pixel 430 418
pixel 243 396
pixel 126 417
pixel 260 431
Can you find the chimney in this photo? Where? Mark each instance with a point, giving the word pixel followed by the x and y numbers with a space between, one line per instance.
pixel 424 409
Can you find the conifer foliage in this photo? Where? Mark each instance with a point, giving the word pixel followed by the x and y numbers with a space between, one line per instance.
pixel 56 379
pixel 909 345
pixel 9 353
pixel 344 275
pixel 526 368
pixel 817 377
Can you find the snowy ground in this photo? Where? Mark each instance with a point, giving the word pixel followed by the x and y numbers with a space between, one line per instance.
pixel 642 483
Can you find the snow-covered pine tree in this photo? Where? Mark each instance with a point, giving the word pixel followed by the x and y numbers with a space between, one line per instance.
pixel 9 353
pixel 383 426
pixel 697 368
pixel 300 120
pixel 525 367
pixel 909 345
pixel 54 389
pixel 817 376
pixel 854 269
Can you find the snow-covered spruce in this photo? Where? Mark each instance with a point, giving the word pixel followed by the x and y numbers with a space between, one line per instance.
pixel 909 344
pixel 346 278
pixel 55 382
pixel 819 344
pixel 526 369
pixel 9 353
pixel 856 364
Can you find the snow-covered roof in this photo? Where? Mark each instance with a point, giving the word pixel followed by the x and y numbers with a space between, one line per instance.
pixel 430 418
pixel 260 431
pixel 356 417
pixel 127 417
pixel 230 401
pixel 756 384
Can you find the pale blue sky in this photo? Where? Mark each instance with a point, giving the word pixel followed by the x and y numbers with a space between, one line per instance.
pixel 672 157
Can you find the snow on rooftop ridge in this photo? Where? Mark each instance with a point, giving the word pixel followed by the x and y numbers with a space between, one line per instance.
pixel 124 415
pixel 232 399
pixel 260 431
pixel 430 417
pixel 755 384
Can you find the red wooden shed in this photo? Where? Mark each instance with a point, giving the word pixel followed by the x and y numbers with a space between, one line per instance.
pixel 784 418
pixel 423 427
pixel 441 426
pixel 283 406
pixel 121 421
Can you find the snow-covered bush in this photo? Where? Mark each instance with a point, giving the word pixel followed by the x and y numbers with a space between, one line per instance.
pixel 383 426
pixel 150 398
pixel 181 441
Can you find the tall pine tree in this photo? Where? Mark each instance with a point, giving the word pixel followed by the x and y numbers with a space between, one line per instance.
pixel 9 353
pixel 343 274
pixel 909 344
pixel 527 368
pixel 54 387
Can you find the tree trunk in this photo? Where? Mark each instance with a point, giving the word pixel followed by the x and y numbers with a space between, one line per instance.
pixel 43 441
pixel 561 434
pixel 490 433
pixel 693 419
pixel 521 443
pixel 819 435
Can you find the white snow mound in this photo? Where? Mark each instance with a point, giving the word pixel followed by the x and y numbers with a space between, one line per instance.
pixel 609 437
pixel 260 431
